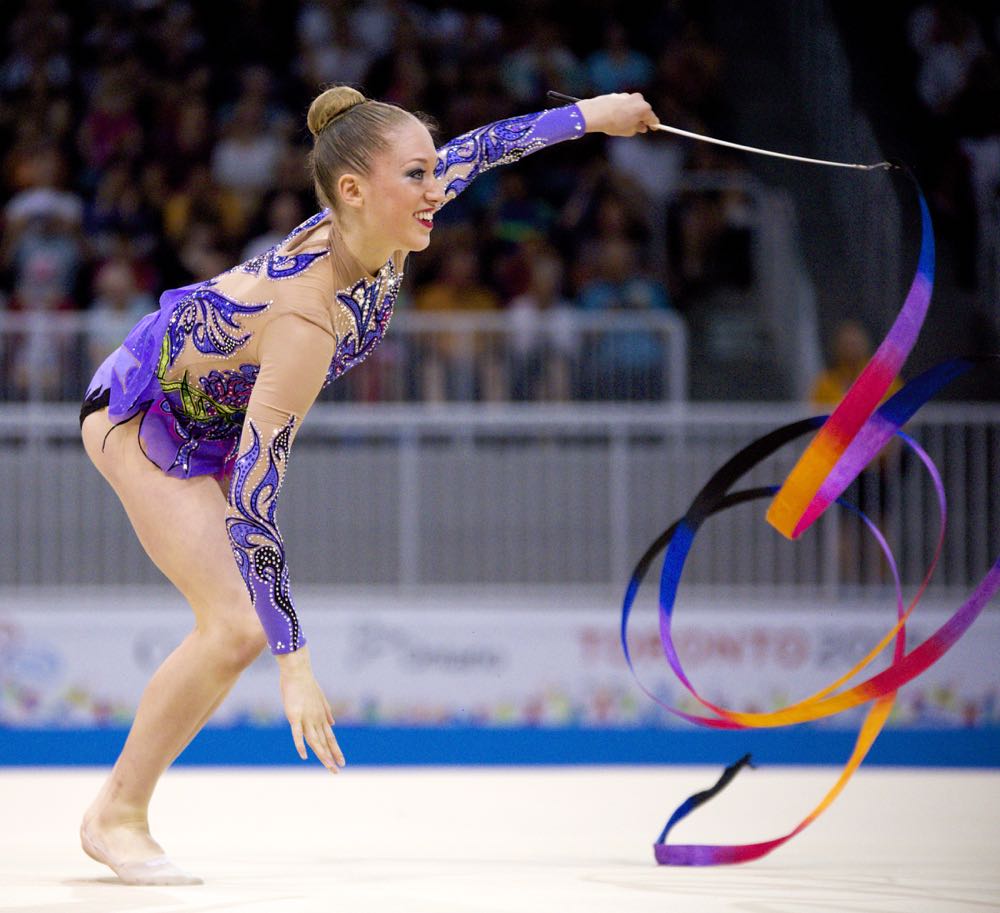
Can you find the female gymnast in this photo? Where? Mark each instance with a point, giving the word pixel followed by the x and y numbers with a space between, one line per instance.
pixel 192 419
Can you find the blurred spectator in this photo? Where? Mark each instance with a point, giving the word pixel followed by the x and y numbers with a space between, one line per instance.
pixel 315 23
pixel 257 97
pixel 202 253
pixel 539 63
pixel 543 338
pixel 604 206
pixel 400 75
pixel 109 35
pixel 983 157
pixel 463 41
pixel 376 23
pixel 201 200
pixel 454 364
pixel 283 212
pixel 620 284
pixel 690 68
pixel 851 349
pixel 330 53
pixel 712 227
pixel 616 67
pixel 111 128
pixel 958 84
pixel 457 288
pixel 246 157
pixel 118 306
pixel 178 41
pixel 38 37
pixel 155 188
pixel 40 178
pixel 184 135
pixel 949 44
pixel 623 364
pixel 291 176
pixel 38 356
pixel 654 162
pixel 42 237
pixel 119 209
pixel 518 214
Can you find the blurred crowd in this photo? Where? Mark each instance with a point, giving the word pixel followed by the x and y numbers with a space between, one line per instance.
pixel 956 47
pixel 152 143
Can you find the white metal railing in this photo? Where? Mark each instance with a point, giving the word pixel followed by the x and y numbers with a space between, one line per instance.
pixel 467 357
pixel 530 494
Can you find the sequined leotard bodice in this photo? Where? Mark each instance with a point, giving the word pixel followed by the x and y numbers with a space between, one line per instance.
pixel 224 372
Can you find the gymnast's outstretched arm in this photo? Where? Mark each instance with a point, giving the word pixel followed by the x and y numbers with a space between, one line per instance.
pixel 463 159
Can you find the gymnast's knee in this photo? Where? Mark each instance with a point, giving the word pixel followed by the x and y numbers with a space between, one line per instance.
pixel 237 642
pixel 248 642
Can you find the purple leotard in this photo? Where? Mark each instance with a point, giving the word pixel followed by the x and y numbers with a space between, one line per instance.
pixel 224 372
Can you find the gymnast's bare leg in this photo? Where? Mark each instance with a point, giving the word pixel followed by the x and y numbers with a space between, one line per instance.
pixel 181 525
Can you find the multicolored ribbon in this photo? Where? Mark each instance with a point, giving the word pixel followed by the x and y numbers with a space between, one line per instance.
pixel 845 444
pixel 851 438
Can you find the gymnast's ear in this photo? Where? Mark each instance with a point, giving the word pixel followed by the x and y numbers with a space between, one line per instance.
pixel 350 190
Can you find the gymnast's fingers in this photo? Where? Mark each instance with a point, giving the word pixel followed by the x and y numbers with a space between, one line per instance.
pixel 644 111
pixel 297 737
pixel 333 747
pixel 317 742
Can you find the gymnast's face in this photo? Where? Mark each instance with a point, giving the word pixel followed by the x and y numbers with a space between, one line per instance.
pixel 403 192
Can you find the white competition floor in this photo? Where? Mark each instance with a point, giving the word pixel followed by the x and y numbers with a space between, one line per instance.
pixel 527 840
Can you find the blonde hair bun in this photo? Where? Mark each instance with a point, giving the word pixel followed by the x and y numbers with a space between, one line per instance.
pixel 332 103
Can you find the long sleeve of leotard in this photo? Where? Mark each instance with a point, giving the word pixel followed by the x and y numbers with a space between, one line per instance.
pixel 463 159
pixel 294 359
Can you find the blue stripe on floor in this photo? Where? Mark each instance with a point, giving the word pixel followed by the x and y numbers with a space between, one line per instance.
pixel 391 746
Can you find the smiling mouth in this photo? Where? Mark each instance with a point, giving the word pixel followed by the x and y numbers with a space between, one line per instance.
pixel 425 218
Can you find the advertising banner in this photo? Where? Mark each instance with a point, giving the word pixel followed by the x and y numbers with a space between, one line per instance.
pixel 490 660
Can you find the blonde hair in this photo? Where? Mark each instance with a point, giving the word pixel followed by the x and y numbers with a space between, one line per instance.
pixel 348 131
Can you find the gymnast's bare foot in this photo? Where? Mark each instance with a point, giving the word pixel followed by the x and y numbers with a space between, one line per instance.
pixel 123 843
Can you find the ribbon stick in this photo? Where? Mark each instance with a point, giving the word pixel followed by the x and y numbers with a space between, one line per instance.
pixel 701 137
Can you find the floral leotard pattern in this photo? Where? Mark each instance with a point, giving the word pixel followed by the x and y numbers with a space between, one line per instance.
pixel 256 539
pixel 221 376
pixel 370 312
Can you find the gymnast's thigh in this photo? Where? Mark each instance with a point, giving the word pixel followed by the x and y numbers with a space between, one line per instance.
pixel 180 522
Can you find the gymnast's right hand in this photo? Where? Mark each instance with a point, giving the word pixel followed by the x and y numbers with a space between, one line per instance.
pixel 617 114
pixel 308 710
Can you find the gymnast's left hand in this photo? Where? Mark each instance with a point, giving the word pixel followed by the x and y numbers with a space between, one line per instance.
pixel 617 114
pixel 308 710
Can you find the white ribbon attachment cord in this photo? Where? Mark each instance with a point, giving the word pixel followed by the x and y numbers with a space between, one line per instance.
pixel 721 142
